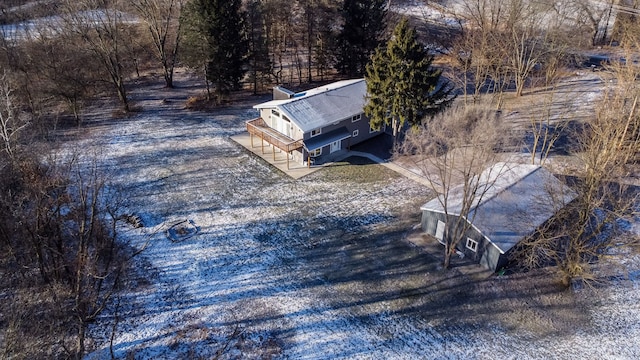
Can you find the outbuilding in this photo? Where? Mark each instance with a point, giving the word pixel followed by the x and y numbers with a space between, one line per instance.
pixel 517 202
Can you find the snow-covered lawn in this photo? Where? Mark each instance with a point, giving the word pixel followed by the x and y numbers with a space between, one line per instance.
pixel 316 268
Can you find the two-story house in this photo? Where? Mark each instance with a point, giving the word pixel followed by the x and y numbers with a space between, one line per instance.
pixel 315 125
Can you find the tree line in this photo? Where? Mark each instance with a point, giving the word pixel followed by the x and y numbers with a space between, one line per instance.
pixel 75 50
pixel 78 50
pixel 267 42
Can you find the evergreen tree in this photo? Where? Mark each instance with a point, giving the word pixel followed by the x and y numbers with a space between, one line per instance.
pixel 215 36
pixel 325 39
pixel 363 25
pixel 402 86
pixel 260 65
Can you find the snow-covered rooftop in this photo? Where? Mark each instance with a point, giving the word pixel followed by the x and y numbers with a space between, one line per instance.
pixel 517 199
pixel 323 105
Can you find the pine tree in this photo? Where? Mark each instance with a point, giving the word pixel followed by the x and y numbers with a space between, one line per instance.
pixel 215 36
pixel 402 86
pixel 260 65
pixel 363 25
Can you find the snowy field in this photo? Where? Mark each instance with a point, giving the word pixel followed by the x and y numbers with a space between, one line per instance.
pixel 316 268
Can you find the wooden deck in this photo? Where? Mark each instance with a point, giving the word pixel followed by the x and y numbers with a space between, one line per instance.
pixel 257 127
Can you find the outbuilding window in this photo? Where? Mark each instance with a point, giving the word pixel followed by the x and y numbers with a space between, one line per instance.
pixel 472 245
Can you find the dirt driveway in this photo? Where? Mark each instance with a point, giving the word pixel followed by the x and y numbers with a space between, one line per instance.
pixel 317 268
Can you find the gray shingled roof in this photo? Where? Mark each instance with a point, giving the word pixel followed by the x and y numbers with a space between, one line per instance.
pixel 519 200
pixel 324 105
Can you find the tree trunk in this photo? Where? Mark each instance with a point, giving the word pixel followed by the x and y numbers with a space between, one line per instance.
pixel 447 257
pixel 520 82
pixel 606 24
pixel 123 98
pixel 395 126
pixel 80 341
pixel 168 77
pixel 171 64
pixel 309 47
pixel 206 82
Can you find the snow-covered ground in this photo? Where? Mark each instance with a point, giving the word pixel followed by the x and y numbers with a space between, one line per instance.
pixel 443 14
pixel 315 268
pixel 51 25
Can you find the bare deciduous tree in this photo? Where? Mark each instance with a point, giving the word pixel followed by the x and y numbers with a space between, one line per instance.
pixel 593 15
pixel 452 150
pixel 504 42
pixel 67 72
pixel 162 20
pixel 102 27
pixel 550 118
pixel 11 123
pixel 608 146
pixel 95 259
pixel 533 40
pixel 547 126
pixel 58 228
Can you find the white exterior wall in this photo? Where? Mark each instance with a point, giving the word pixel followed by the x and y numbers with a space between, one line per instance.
pixel 265 114
pixel 279 124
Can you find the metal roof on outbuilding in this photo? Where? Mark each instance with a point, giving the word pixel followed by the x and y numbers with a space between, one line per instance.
pixel 324 105
pixel 518 200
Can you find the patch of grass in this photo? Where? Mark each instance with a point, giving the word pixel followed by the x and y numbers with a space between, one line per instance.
pixel 355 169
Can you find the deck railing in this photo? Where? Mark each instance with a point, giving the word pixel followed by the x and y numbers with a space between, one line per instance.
pixel 260 129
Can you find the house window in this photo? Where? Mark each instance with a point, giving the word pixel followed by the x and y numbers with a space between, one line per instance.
pixel 285 118
pixel 372 130
pixel 275 113
pixel 316 132
pixel 472 245
pixel 356 118
pixel 316 152
pixel 355 133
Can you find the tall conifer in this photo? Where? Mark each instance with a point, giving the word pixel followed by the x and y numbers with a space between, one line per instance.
pixel 259 61
pixel 215 32
pixel 402 85
pixel 363 25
